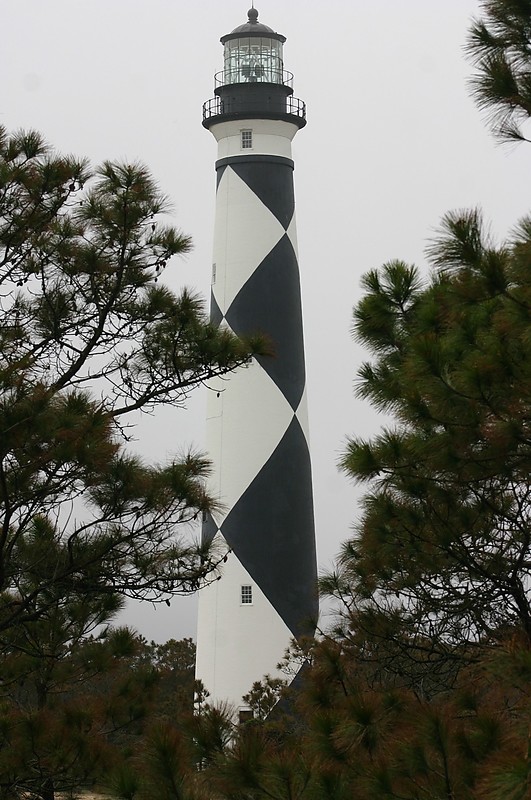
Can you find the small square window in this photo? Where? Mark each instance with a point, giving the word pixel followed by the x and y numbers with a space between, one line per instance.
pixel 247 595
pixel 244 715
pixel 247 139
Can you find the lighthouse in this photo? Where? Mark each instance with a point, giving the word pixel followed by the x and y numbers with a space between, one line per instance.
pixel 257 425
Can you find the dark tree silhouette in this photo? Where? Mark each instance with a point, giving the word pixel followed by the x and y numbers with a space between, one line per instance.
pixel 89 336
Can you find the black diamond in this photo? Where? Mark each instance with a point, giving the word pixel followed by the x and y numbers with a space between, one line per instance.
pixel 269 303
pixel 271 530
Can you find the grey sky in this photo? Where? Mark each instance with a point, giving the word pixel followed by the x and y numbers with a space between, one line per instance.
pixel 393 141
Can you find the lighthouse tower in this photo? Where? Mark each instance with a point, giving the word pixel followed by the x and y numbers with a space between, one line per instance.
pixel 257 432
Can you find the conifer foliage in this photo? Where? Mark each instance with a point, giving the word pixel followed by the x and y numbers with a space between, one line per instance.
pixel 88 336
pixel 498 45
pixel 430 659
pixel 442 555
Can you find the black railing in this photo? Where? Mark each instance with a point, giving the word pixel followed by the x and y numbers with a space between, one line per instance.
pixel 218 106
pixel 256 73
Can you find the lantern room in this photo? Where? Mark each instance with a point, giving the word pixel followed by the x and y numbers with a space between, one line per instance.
pixel 253 53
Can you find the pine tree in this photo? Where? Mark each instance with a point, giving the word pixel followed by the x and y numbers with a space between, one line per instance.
pixel 88 337
pixel 498 45
pixel 442 556
pixel 71 704
pixel 439 566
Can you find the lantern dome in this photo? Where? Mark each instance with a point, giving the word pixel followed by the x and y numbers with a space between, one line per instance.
pixel 252 28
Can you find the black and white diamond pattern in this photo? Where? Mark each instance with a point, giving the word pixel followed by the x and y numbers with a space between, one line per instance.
pixel 257 429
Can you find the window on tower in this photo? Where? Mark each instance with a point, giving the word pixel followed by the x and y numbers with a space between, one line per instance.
pixel 247 139
pixel 244 715
pixel 247 595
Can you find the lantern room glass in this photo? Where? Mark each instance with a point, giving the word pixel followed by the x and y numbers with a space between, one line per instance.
pixel 253 60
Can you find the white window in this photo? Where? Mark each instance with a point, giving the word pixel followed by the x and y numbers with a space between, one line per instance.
pixel 247 139
pixel 247 595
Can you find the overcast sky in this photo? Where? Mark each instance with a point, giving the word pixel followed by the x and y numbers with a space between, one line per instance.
pixel 393 141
